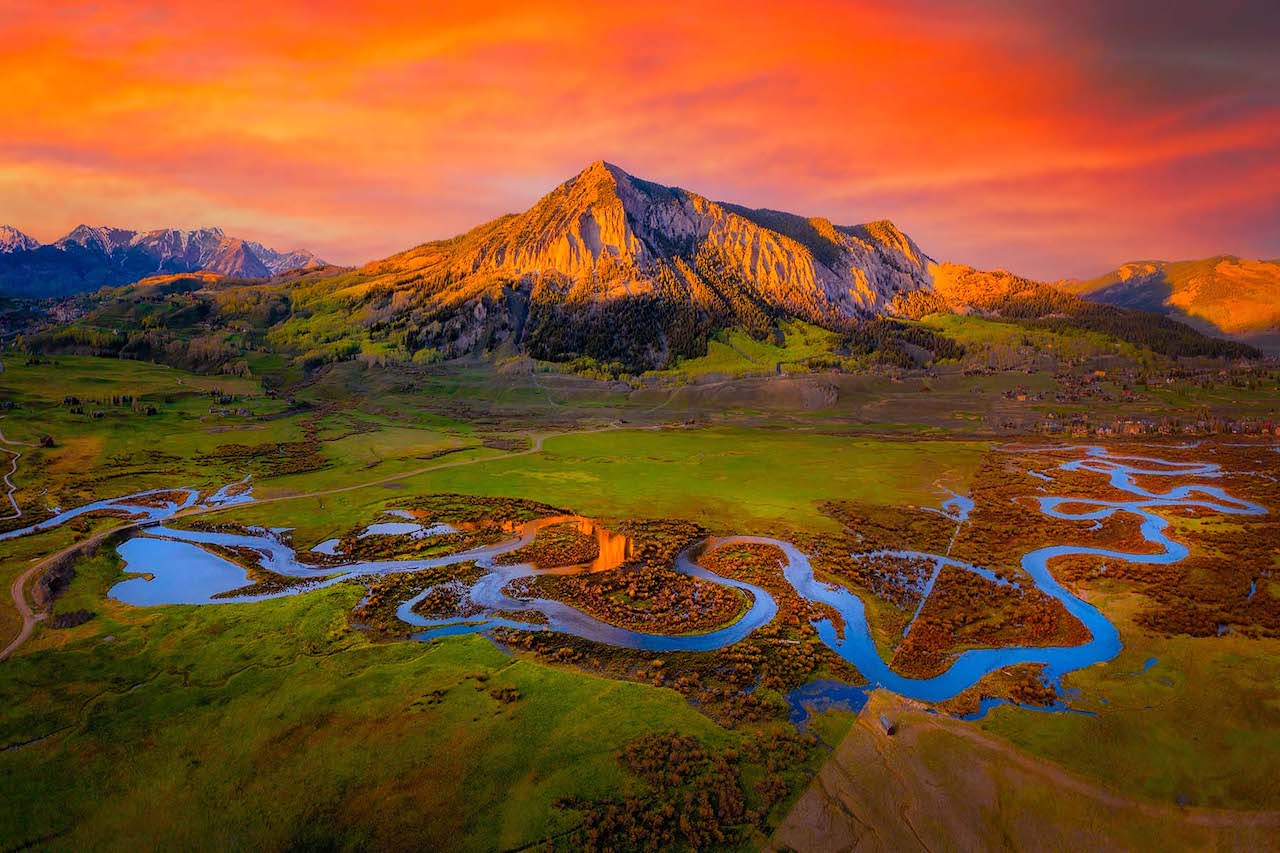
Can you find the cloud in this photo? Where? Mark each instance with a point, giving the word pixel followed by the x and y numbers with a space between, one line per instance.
pixel 1054 139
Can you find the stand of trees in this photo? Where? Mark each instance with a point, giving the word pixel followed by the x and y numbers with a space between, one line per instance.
pixel 697 797
pixel 889 341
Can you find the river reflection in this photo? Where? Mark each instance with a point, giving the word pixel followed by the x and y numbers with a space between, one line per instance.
pixel 614 548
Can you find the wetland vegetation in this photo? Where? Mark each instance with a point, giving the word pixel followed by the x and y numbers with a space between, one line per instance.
pixel 329 672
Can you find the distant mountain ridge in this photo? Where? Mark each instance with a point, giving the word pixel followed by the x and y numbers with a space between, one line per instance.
pixel 1224 294
pixel 91 257
pixel 607 272
pixel 13 240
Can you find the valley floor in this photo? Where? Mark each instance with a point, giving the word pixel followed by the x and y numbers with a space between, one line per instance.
pixel 306 720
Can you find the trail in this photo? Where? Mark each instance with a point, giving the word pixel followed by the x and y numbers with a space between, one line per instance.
pixel 8 481
pixel 941 783
pixel 30 617
pixel 961 516
pixel 16 589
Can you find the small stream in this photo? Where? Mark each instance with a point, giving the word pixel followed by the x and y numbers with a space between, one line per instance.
pixel 172 568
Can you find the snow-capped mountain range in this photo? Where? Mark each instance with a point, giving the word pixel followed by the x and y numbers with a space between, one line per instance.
pixel 13 240
pixel 91 257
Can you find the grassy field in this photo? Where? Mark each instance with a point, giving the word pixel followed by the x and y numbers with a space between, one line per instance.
pixel 727 479
pixel 114 447
pixel 982 335
pixel 1201 726
pixel 939 783
pixel 275 725
pixel 262 725
pixel 88 377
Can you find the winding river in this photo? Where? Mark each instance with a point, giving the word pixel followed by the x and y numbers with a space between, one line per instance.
pixel 144 506
pixel 173 568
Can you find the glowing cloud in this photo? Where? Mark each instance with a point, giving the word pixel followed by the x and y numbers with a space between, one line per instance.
pixel 1053 143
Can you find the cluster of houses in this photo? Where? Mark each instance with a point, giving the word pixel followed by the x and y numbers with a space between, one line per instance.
pixel 1076 388
pixel 1080 426
pixel 1023 395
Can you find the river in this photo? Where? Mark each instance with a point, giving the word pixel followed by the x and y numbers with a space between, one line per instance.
pixel 171 568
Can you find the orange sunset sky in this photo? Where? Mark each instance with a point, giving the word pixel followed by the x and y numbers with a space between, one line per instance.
pixel 1052 139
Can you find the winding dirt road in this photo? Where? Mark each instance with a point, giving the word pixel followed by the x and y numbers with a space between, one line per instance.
pixel 17 590
pixel 13 470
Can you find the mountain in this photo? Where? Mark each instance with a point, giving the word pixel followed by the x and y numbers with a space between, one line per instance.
pixel 609 273
pixel 88 258
pixel 624 270
pixel 1003 296
pixel 1225 295
pixel 630 236
pixel 279 262
pixel 13 240
pixel 612 271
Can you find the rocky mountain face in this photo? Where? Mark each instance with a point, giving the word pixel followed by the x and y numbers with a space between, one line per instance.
pixel 624 235
pixel 13 240
pixel 619 268
pixel 1224 295
pixel 89 258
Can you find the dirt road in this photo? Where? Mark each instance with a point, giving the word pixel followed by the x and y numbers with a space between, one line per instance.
pixel 940 783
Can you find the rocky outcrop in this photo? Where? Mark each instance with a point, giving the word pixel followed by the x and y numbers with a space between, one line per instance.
pixel 54 581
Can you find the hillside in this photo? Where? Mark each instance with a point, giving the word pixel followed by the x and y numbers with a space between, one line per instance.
pixel 612 275
pixel 88 258
pixel 1002 295
pixel 1224 295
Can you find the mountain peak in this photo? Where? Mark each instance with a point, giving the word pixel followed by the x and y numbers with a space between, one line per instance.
pixel 13 240
pixel 605 234
pixel 104 237
pixel 597 174
pixel 90 257
pixel 601 168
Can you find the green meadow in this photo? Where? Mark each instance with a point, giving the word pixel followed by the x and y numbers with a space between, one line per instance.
pixel 275 725
pixel 1201 726
pixel 167 435
pixel 733 352
pixel 729 480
